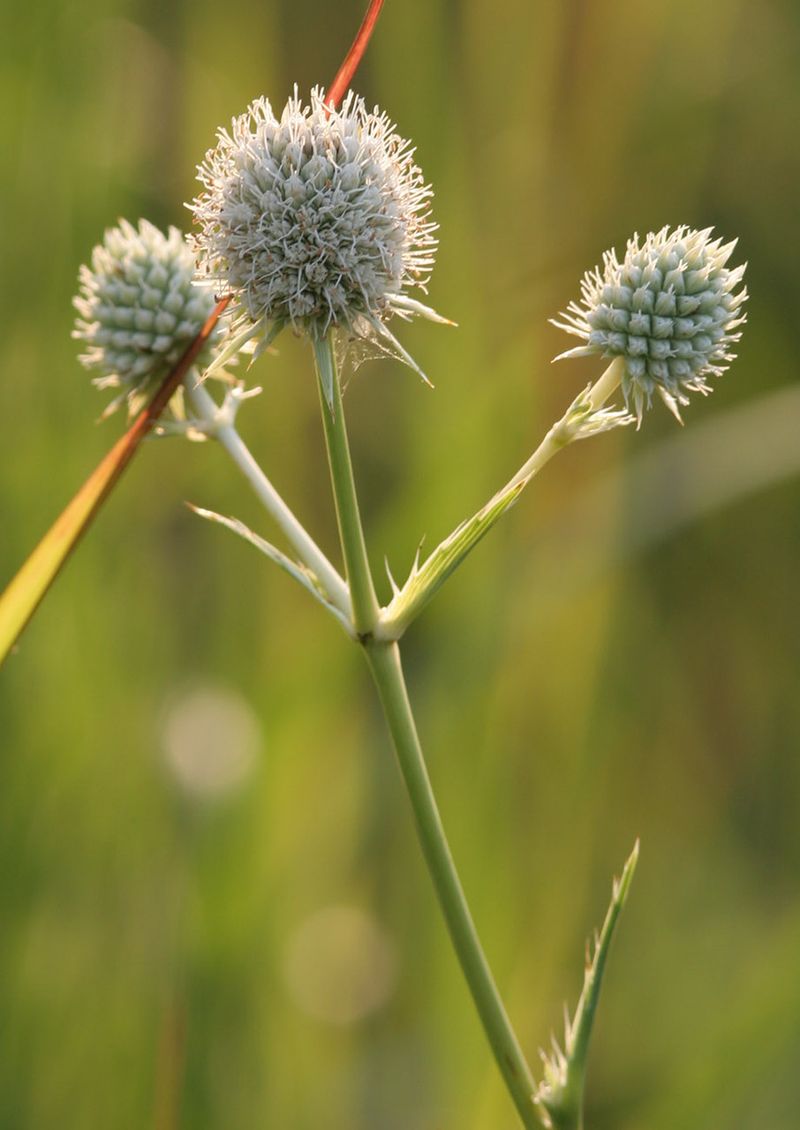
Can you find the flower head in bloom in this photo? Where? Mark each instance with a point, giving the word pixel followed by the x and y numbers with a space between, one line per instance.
pixel 318 218
pixel 671 309
pixel 139 309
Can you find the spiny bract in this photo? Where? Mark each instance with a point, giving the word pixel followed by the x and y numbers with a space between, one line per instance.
pixel 318 219
pixel 671 309
pixel 139 309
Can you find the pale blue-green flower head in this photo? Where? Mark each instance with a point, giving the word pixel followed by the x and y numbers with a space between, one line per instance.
pixel 139 308
pixel 671 309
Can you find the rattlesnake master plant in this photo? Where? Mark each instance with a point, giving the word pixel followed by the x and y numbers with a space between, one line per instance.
pixel 318 219
pixel 671 309
pixel 139 309
pixel 321 222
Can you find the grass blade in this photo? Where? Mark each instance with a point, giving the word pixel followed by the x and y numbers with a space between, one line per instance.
pixel 344 76
pixel 24 593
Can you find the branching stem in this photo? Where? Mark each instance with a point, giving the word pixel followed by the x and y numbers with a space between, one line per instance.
pixel 383 658
pixel 307 550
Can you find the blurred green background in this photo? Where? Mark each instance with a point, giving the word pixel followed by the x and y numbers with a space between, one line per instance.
pixel 213 913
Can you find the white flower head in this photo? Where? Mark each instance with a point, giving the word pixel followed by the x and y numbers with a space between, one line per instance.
pixel 316 219
pixel 139 309
pixel 671 309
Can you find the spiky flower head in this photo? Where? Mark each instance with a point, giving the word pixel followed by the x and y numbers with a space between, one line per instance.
pixel 671 309
pixel 139 309
pixel 317 219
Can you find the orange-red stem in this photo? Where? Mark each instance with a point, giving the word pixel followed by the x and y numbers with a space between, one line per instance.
pixel 344 76
pixel 26 590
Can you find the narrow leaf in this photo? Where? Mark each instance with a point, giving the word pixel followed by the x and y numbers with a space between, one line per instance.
pixel 560 1095
pixel 22 596
pixel 427 578
pixel 301 574
pixel 345 74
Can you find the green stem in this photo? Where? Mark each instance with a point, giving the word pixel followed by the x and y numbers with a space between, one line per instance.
pixel 308 552
pixel 384 662
pixel 603 388
pixel 427 578
pixel 385 665
pixel 359 577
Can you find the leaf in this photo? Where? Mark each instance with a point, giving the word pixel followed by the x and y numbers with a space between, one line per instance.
pixel 301 573
pixel 345 74
pixel 560 1095
pixel 425 579
pixel 21 598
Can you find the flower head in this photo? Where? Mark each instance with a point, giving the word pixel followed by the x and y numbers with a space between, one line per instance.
pixel 317 219
pixel 139 309
pixel 671 309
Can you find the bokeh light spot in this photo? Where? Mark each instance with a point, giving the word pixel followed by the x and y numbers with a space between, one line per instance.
pixel 340 965
pixel 211 739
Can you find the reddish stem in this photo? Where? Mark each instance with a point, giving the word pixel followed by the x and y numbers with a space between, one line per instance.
pixel 148 416
pixel 126 446
pixel 344 76
pixel 26 590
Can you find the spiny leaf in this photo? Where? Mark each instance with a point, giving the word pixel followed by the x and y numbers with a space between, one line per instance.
pixel 560 1095
pixel 301 573
pixel 425 579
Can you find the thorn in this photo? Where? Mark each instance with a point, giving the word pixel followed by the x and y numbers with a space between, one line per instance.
pixel 671 403
pixel 392 582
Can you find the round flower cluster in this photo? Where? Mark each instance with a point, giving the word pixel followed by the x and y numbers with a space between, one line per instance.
pixel 317 219
pixel 671 309
pixel 139 309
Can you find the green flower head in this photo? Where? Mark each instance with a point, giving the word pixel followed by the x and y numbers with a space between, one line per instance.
pixel 671 309
pixel 138 309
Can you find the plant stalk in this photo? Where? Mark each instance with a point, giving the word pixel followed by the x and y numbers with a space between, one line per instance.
pixel 604 387
pixel 384 662
pixel 295 533
pixel 383 658
pixel 362 590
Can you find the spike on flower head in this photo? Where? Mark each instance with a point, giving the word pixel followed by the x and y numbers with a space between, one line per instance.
pixel 317 219
pixel 138 309
pixel 672 309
